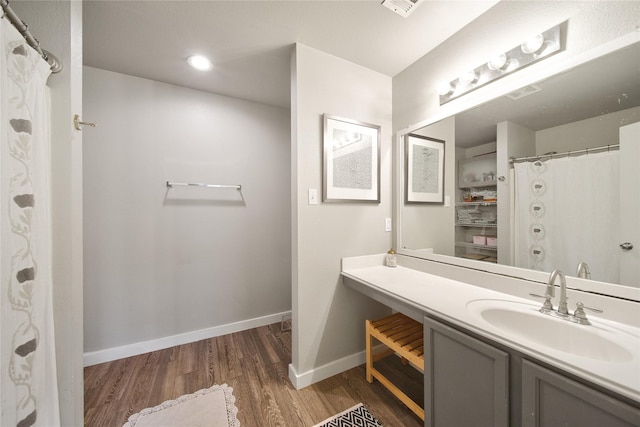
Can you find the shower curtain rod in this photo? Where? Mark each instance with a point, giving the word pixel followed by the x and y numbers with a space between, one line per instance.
pixel 553 155
pixel 23 29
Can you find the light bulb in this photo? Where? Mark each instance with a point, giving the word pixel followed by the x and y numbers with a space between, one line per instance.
pixel 511 65
pixel 468 77
pixel 199 62
pixel 548 48
pixel 497 62
pixel 444 88
pixel 533 44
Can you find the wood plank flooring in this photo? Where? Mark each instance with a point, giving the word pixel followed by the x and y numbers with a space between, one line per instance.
pixel 255 363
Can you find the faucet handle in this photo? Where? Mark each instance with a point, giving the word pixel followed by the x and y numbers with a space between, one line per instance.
pixel 580 316
pixel 580 306
pixel 547 306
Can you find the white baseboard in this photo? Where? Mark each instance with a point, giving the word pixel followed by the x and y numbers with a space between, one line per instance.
pixel 114 353
pixel 325 371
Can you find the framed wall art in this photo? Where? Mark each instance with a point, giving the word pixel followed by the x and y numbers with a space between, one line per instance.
pixel 424 166
pixel 351 161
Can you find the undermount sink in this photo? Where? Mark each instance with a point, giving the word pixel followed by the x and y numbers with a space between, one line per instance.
pixel 523 321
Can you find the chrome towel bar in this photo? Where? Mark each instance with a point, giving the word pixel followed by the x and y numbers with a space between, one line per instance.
pixel 196 184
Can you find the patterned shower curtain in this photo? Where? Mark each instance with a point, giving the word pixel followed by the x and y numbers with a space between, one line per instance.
pixel 28 384
pixel 567 211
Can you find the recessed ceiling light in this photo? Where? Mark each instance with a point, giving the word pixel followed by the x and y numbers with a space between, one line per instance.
pixel 199 62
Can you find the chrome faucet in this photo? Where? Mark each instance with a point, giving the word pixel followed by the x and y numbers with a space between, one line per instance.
pixel 550 292
pixel 562 304
pixel 547 307
pixel 583 271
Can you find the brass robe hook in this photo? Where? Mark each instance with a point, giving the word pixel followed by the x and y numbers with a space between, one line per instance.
pixel 77 122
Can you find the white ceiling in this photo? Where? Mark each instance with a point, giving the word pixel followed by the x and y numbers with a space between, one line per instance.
pixel 250 42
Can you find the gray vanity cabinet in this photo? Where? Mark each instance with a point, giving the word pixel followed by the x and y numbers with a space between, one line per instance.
pixel 466 381
pixel 550 399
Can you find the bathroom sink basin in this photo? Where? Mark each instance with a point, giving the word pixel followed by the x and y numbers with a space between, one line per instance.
pixel 525 323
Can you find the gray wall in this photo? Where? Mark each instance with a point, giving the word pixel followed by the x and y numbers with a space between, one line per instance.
pixel 161 262
pixel 590 133
pixel 329 317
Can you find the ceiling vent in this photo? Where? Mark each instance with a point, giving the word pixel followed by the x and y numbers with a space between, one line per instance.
pixel 525 91
pixel 403 8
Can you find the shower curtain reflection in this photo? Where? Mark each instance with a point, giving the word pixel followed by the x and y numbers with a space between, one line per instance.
pixel 566 212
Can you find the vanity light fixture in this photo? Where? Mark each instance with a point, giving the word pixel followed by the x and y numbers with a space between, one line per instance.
pixel 533 49
pixel 347 138
pixel 200 62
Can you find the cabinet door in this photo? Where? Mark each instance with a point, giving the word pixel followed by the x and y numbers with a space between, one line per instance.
pixel 550 399
pixel 465 380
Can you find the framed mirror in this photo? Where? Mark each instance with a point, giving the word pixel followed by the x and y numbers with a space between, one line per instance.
pixel 502 219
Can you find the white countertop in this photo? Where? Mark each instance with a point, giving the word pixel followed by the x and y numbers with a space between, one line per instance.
pixel 449 300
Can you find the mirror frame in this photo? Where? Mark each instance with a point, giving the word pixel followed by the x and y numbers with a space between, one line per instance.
pixel 477 99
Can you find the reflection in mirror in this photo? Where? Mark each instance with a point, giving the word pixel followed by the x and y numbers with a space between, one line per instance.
pixel 544 211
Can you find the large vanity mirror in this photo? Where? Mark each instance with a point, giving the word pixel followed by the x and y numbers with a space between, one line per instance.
pixel 545 177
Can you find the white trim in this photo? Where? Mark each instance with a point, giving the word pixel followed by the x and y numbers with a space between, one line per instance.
pixel 330 369
pixel 114 353
pixel 325 371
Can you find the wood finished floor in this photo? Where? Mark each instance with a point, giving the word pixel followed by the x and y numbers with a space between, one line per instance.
pixel 255 363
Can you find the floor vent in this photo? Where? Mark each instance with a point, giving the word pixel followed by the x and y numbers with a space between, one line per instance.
pixel 403 8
